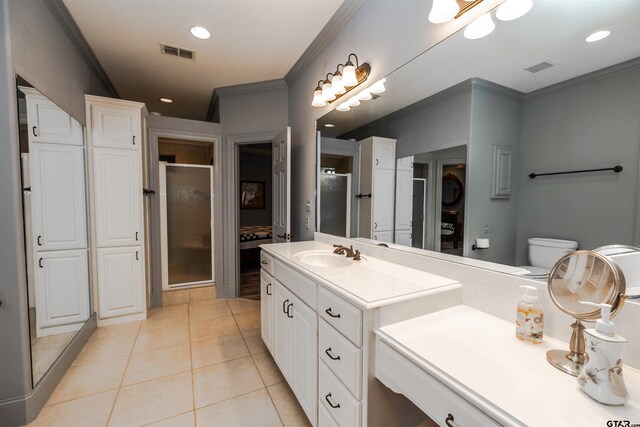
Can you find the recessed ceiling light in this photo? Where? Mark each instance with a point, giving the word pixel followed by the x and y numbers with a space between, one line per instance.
pixel 598 35
pixel 166 100
pixel 329 125
pixel 200 32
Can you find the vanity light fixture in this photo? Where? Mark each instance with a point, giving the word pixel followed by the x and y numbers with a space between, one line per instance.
pixel 443 11
pixel 343 107
pixel 365 95
pixel 481 27
pixel 166 100
pixel 513 9
pixel 339 83
pixel 200 33
pixel 353 102
pixel 378 87
pixel 598 35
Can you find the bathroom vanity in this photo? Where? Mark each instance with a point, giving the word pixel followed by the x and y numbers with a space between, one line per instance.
pixel 353 337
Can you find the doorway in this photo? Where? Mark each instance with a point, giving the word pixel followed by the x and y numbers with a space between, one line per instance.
pixel 451 186
pixel 418 216
pixel 255 183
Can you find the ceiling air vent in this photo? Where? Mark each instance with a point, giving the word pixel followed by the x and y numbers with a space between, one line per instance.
pixel 539 67
pixel 177 51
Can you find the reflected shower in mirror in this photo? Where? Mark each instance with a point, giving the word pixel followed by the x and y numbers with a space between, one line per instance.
pixel 55 221
pixel 510 104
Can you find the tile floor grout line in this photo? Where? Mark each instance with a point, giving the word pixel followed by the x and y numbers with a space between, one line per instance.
pixel 193 380
pixel 123 374
pixel 274 405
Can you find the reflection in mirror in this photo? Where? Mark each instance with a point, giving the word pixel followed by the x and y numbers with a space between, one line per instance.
pixel 513 116
pixel 55 220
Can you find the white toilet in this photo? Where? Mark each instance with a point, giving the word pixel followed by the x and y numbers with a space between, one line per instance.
pixel 543 254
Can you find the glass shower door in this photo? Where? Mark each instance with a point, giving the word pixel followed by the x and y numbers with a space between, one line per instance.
pixel 187 224
pixel 336 189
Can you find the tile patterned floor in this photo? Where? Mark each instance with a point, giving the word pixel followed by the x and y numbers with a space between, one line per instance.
pixel 201 363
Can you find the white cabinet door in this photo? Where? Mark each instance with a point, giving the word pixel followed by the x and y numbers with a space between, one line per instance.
pixel 404 164
pixel 49 123
pixel 404 198
pixel 383 236
pixel 403 237
pixel 115 127
pixel 384 153
pixel 282 329
pixel 58 212
pixel 383 180
pixel 118 197
pixel 266 308
pixel 62 290
pixel 120 281
pixel 304 355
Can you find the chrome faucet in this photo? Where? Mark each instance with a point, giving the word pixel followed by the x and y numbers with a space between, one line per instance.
pixel 341 250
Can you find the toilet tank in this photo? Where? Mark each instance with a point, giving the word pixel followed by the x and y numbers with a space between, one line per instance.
pixel 545 252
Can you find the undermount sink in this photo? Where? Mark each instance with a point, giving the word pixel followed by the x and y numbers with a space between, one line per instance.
pixel 322 259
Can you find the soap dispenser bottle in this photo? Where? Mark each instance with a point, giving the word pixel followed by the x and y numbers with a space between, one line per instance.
pixel 530 317
pixel 601 376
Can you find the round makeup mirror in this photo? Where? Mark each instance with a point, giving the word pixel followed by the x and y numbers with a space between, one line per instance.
pixel 583 276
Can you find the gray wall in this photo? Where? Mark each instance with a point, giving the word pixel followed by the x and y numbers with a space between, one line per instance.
pixel 255 167
pixel 495 120
pixel 592 123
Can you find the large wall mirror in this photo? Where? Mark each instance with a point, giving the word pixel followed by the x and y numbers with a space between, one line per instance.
pixel 470 120
pixel 53 164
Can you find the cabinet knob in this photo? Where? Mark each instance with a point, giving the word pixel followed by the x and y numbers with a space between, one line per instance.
pixel 333 405
pixel 450 422
pixel 330 313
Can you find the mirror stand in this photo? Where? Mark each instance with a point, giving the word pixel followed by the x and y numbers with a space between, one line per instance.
pixel 571 362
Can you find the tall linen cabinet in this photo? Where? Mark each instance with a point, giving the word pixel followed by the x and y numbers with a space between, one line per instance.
pixel 115 137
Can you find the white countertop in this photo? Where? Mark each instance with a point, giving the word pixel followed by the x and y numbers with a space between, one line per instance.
pixel 368 283
pixel 478 356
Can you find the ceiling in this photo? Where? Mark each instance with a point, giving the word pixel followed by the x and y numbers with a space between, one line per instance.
pixel 251 41
pixel 553 31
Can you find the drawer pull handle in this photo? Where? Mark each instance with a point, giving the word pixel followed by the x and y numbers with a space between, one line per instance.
pixel 268 287
pixel 290 313
pixel 33 129
pixel 450 422
pixel 39 240
pixel 40 263
pixel 331 356
pixel 263 262
pixel 334 406
pixel 330 313
pixel 284 303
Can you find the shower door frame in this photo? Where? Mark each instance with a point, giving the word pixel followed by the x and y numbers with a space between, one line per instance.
pixel 163 228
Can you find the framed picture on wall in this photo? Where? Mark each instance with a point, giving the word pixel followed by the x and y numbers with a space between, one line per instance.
pixel 252 195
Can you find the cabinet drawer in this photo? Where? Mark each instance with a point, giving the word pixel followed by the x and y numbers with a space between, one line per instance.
pixel 341 315
pixel 266 262
pixel 303 287
pixel 342 357
pixel 437 400
pixel 324 417
pixel 337 400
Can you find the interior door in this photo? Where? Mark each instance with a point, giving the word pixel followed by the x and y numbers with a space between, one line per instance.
pixel 282 186
pixel 418 212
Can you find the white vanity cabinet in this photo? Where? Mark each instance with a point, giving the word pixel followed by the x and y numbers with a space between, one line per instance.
pixel 115 142
pixel 377 178
pixel 49 123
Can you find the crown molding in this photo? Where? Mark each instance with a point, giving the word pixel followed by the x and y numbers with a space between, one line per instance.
pixel 497 89
pixel 339 19
pixel 68 24
pixel 585 78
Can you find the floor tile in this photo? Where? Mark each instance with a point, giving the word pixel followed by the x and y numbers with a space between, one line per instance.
pixel 175 297
pixel 269 371
pixel 218 349
pixel 203 294
pixel 92 378
pixel 209 311
pixel 156 339
pixel 164 319
pixel 243 305
pixel 90 411
pixel 225 380
pixel 209 328
pixel 115 330
pixel 290 411
pixel 248 320
pixel 153 401
pixel 106 348
pixel 187 419
pixel 253 409
pixel 208 302
pixel 253 338
pixel 156 364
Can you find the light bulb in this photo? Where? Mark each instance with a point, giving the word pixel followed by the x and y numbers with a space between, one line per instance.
pixel 336 83
pixel 327 91
pixel 479 28
pixel 343 107
pixel 513 9
pixel 353 102
pixel 443 11
pixel 378 87
pixel 318 100
pixel 365 95
pixel 349 75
